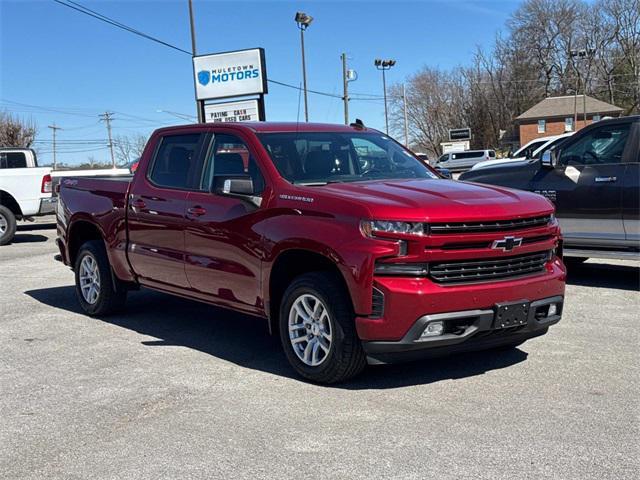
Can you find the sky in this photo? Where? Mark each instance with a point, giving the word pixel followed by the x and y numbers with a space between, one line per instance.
pixel 60 66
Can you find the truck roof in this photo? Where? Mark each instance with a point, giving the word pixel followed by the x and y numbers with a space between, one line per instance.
pixel 272 127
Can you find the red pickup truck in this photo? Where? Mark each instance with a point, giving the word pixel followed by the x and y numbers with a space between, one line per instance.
pixel 350 247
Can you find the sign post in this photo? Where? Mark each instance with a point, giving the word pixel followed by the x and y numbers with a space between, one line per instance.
pixel 229 75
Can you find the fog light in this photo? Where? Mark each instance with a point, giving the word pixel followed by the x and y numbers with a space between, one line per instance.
pixel 553 310
pixel 433 330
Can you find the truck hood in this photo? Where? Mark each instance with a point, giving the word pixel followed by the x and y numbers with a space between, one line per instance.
pixel 435 200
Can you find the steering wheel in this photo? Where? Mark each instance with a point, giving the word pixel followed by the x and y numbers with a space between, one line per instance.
pixel 592 155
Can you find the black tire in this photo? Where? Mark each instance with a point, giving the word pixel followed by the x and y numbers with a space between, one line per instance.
pixel 345 358
pixel 8 219
pixel 109 299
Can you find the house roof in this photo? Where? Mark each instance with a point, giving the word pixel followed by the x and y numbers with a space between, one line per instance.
pixel 564 107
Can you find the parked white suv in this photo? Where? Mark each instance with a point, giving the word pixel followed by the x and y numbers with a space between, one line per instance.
pixel 460 161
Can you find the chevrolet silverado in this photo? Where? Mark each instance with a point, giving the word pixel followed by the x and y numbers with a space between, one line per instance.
pixel 350 248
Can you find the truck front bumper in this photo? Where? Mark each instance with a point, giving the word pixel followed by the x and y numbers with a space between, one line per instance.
pixel 475 330
pixel 469 314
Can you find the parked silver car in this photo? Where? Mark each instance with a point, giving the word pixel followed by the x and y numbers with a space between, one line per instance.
pixel 460 161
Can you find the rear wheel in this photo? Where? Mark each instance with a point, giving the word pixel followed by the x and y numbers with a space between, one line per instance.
pixel 7 225
pixel 317 329
pixel 98 291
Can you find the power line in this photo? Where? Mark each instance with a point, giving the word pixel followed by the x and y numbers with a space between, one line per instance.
pixel 92 13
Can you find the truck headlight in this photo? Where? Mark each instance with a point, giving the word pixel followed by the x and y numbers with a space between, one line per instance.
pixel 552 219
pixel 370 228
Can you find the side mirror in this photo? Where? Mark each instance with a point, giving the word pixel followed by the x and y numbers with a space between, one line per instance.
pixel 233 186
pixel 444 172
pixel 549 158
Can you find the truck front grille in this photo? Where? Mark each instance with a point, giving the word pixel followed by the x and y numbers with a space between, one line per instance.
pixel 489 269
pixel 491 226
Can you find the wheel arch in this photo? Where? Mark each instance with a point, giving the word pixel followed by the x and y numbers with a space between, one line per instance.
pixel 80 232
pixel 8 200
pixel 290 264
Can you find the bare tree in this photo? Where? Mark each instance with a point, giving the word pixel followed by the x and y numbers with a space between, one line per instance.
pixel 16 132
pixel 129 148
pixel 531 61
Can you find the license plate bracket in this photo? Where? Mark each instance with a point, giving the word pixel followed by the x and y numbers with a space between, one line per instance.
pixel 512 314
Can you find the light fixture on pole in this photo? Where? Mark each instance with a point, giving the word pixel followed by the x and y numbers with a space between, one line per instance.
pixel 303 21
pixel 384 65
pixel 348 75
pixel 581 54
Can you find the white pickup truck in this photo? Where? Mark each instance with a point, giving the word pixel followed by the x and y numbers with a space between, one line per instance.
pixel 25 190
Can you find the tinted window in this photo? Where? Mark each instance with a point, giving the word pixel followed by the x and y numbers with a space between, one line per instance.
pixel 469 154
pixel 176 164
pixel 13 160
pixel 230 156
pixel 602 145
pixel 322 157
pixel 492 154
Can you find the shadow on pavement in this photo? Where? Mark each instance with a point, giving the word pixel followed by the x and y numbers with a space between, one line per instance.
pixel 27 227
pixel 28 238
pixel 245 341
pixel 603 275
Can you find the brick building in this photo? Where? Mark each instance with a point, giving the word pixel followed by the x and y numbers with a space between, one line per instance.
pixel 555 115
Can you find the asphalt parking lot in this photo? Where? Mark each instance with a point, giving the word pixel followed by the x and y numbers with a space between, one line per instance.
pixel 177 389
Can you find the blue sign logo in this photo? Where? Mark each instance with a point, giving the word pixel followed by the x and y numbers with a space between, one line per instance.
pixel 204 77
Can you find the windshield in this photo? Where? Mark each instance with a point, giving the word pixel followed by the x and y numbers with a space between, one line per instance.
pixel 318 158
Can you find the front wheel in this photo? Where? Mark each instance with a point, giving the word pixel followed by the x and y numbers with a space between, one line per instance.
pixel 317 329
pixel 7 225
pixel 98 292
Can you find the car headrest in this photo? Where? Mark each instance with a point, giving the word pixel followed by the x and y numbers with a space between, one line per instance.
pixel 319 163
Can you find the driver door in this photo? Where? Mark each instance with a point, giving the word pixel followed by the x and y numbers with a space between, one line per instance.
pixel 586 185
pixel 223 249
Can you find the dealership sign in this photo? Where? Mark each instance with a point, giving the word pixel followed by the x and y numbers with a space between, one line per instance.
pixel 244 111
pixel 457 134
pixel 231 74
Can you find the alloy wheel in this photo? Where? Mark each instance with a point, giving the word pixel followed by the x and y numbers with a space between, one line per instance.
pixel 310 330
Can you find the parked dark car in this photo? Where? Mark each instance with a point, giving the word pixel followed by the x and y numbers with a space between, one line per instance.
pixel 593 178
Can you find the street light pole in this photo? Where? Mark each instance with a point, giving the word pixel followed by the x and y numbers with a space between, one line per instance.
pixel 384 65
pixel 303 21
pixel 193 54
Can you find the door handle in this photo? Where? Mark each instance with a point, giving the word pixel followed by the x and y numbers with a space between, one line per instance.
pixel 138 203
pixel 606 179
pixel 196 211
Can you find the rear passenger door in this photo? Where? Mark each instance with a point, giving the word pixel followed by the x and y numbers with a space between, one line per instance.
pixel 224 250
pixel 157 204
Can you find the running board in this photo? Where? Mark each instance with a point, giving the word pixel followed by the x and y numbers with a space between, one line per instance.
pixel 623 255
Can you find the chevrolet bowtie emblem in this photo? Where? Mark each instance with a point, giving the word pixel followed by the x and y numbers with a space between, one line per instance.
pixel 507 243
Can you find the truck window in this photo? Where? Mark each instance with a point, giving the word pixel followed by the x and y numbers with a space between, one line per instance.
pixel 13 160
pixel 600 146
pixel 175 164
pixel 231 156
pixel 318 158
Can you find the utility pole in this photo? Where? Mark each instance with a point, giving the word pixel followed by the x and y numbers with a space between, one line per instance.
pixel 345 86
pixel 107 117
pixel 193 54
pixel 406 120
pixel 54 129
